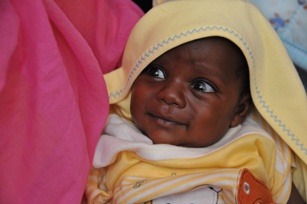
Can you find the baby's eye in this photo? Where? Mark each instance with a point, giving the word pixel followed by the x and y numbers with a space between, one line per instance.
pixel 203 86
pixel 156 72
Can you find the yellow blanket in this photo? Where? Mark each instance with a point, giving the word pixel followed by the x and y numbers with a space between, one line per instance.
pixel 138 170
pixel 276 89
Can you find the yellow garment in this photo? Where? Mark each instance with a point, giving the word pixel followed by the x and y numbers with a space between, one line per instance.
pixel 137 171
pixel 276 89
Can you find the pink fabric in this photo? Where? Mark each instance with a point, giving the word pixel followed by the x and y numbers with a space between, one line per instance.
pixel 53 100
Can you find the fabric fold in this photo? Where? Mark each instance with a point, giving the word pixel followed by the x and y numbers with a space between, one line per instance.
pixel 53 98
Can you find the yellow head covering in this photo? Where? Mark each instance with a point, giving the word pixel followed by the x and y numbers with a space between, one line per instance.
pixel 276 89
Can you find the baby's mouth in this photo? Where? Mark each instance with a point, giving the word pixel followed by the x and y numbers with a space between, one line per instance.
pixel 161 120
pixel 166 121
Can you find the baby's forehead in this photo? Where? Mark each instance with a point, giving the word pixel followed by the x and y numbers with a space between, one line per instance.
pixel 220 46
pixel 215 40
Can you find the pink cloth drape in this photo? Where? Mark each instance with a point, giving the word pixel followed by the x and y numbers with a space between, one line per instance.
pixel 53 100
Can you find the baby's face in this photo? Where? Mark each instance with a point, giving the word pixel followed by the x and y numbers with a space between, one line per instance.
pixel 189 96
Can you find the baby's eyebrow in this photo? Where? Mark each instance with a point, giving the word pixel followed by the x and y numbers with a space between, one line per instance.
pixel 205 71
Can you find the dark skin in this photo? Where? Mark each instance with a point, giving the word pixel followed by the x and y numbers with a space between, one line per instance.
pixel 189 96
pixel 295 197
pixel 193 89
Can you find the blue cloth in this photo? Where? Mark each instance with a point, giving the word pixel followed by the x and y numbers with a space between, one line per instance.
pixel 289 18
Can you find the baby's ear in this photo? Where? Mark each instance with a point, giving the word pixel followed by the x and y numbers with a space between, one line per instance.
pixel 242 110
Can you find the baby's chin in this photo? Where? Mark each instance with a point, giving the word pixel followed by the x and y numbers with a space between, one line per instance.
pixel 157 141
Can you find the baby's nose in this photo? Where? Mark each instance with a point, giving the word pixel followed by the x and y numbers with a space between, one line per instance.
pixel 173 94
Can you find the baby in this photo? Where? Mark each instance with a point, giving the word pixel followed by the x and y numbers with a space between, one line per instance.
pixel 195 95
pixel 182 129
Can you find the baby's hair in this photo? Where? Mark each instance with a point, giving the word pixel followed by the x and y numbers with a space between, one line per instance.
pixel 243 74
